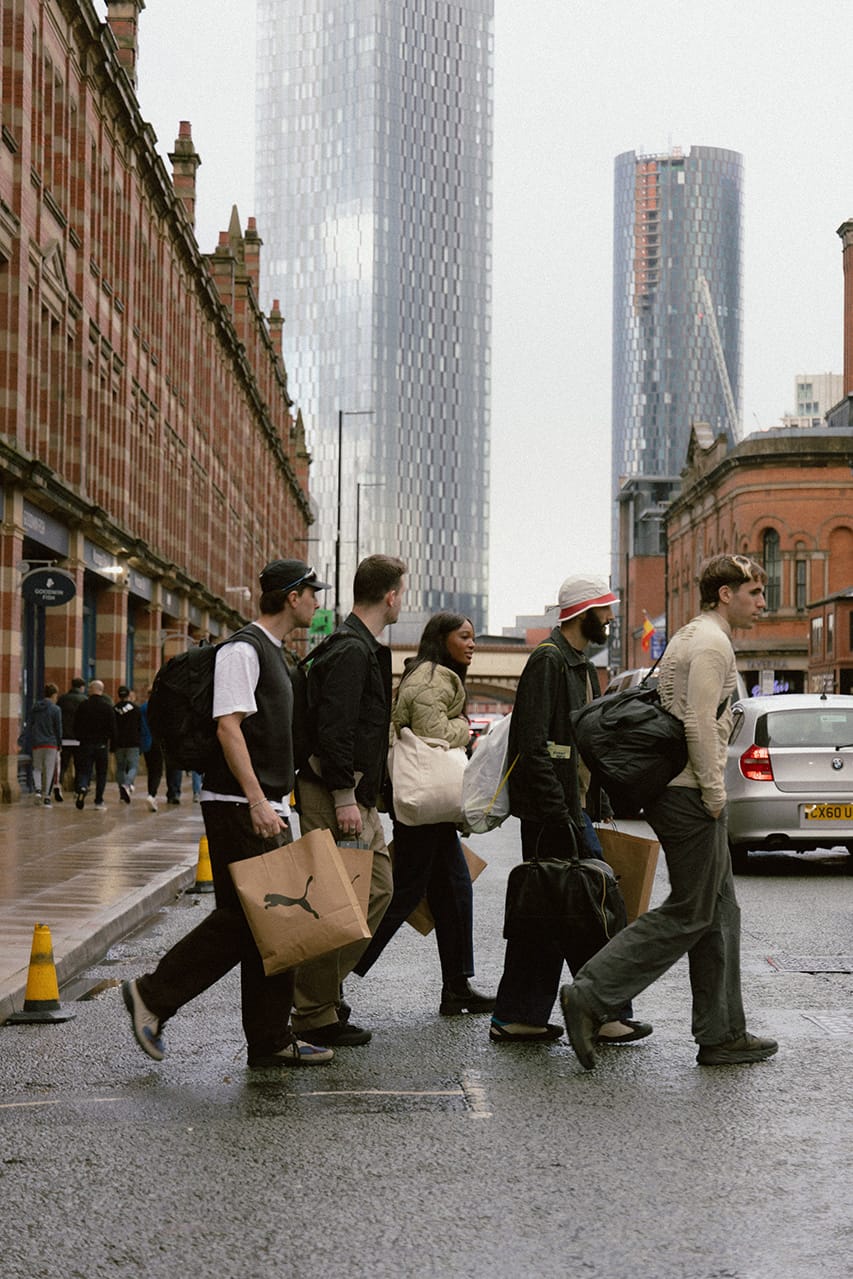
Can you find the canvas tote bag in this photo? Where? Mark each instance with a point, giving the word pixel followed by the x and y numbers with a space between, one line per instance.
pixel 299 901
pixel 426 778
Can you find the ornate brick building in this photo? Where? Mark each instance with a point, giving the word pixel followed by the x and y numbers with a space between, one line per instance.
pixel 784 496
pixel 147 444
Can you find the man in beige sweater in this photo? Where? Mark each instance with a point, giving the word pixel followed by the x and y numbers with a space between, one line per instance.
pixel 700 917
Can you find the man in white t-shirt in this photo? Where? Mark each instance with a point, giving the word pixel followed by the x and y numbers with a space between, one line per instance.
pixel 244 803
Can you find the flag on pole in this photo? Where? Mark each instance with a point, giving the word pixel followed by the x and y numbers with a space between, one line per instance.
pixel 648 632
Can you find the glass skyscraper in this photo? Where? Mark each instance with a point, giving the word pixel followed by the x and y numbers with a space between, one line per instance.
pixel 373 198
pixel 676 359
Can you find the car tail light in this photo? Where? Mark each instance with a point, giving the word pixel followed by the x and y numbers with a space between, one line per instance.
pixel 755 764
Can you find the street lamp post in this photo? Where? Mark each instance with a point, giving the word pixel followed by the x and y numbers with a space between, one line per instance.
pixel 362 484
pixel 342 413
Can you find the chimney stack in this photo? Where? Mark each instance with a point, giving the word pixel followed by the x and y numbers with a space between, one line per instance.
pixel 123 21
pixel 185 163
pixel 846 233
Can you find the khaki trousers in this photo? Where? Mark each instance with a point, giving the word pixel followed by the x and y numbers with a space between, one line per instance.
pixel 318 982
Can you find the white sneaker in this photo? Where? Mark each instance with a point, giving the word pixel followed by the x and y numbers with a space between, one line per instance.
pixel 100 808
pixel 152 803
pixel 146 1027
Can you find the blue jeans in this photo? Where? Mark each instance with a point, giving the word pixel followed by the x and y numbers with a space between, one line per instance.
pixel 428 861
pixel 531 976
pixel 127 765
pixel 700 919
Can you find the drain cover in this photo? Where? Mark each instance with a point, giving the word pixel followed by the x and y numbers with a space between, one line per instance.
pixel 811 963
pixel 833 1023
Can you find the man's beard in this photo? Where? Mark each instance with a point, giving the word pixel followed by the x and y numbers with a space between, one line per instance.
pixel 593 629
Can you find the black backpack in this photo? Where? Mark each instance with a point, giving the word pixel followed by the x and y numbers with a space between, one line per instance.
pixel 302 708
pixel 180 706
pixel 630 744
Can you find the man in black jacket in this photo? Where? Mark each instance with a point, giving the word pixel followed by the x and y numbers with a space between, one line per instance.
pixel 551 791
pixel 94 724
pixel 68 703
pixel 349 713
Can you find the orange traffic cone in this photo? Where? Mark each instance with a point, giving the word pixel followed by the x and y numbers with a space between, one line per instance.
pixel 204 874
pixel 41 998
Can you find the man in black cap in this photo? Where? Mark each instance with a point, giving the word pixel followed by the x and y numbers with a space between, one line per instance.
pixel 245 808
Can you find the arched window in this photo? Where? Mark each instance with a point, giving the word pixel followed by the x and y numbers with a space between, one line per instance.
pixel 772 562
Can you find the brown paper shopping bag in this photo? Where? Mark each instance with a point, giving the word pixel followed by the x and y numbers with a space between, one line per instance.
pixel 634 860
pixel 358 864
pixel 421 917
pixel 299 901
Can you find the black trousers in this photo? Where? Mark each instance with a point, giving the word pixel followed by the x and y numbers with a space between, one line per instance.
pixel 224 939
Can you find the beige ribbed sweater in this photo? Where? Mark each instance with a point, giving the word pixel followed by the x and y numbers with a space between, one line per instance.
pixel 697 673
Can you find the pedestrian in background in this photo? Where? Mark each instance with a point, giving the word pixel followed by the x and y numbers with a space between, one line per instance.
pixel 701 917
pixel 68 703
pixel 95 727
pixel 45 736
pixel 428 860
pixel 126 743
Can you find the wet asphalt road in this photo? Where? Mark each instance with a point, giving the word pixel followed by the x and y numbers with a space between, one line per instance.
pixel 432 1152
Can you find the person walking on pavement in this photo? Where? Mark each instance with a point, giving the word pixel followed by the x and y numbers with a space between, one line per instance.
pixel 68 703
pixel 700 918
pixel 428 860
pixel 94 724
pixel 245 810
pixel 551 791
pixel 349 712
pixel 128 728
pixel 45 730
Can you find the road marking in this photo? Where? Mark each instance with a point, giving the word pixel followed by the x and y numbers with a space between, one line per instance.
pixel 58 1101
pixel 384 1092
pixel 475 1095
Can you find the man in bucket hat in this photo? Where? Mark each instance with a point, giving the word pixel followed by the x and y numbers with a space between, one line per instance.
pixel 551 791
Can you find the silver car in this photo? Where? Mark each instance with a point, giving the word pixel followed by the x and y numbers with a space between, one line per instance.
pixel 789 774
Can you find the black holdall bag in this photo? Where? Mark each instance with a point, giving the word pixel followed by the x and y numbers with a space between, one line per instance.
pixel 574 901
pixel 631 745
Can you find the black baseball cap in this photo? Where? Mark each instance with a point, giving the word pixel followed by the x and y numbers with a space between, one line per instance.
pixel 289 575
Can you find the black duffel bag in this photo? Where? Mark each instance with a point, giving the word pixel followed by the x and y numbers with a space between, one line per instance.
pixel 631 745
pixel 574 901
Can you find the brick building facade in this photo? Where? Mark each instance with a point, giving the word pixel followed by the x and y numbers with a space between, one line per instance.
pixel 147 443
pixel 784 496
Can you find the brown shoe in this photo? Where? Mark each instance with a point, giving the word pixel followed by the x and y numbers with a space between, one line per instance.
pixel 736 1052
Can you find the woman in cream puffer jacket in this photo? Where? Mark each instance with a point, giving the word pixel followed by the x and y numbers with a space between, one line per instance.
pixel 428 860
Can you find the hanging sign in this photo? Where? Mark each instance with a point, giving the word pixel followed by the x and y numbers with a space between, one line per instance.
pixel 48 587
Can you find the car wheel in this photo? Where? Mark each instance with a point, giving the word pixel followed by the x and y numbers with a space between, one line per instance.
pixel 739 854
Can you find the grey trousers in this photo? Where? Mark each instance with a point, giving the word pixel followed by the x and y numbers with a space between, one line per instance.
pixel 317 990
pixel 700 918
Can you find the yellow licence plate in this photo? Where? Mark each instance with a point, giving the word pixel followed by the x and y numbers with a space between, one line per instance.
pixel 828 812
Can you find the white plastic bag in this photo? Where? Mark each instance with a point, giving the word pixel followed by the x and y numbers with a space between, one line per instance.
pixel 485 794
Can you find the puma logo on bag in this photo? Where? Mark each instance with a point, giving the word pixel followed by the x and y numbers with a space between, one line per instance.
pixel 276 899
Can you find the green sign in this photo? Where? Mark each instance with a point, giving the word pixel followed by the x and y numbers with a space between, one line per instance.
pixel 323 622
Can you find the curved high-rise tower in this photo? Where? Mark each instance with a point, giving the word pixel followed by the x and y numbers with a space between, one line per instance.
pixel 373 196
pixel 677 313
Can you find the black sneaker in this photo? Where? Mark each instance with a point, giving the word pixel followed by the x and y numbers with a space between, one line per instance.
pixel 467 1000
pixel 81 797
pixel 125 794
pixel 57 795
pixel 339 1034
pixel 737 1052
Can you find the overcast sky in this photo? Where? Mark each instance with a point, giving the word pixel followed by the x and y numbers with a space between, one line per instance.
pixel 576 83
